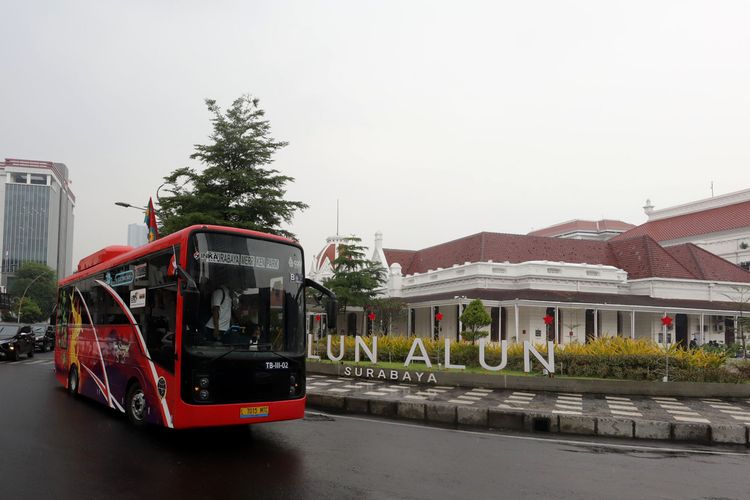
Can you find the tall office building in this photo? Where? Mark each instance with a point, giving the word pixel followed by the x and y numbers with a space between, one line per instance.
pixel 36 210
pixel 137 235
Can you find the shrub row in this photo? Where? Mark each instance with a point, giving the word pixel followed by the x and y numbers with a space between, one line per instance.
pixel 616 358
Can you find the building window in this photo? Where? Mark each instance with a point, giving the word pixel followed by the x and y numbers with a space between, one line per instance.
pixel 745 265
pixel 592 273
pixel 19 178
pixel 38 179
pixel 553 270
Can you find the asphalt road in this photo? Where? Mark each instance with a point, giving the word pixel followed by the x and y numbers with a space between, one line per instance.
pixel 52 446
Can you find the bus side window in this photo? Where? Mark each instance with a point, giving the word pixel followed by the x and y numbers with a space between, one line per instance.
pixel 161 308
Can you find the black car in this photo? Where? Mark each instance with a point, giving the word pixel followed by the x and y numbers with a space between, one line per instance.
pixel 16 340
pixel 44 337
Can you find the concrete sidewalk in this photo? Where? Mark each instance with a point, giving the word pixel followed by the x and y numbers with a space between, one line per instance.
pixel 706 420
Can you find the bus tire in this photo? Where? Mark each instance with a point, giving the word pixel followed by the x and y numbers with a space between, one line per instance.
pixel 73 381
pixel 135 405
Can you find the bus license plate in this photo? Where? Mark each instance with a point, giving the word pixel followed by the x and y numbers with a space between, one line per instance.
pixel 254 412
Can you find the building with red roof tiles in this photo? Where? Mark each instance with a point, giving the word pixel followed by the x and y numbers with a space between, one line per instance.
pixel 624 287
pixel 578 229
pixel 720 225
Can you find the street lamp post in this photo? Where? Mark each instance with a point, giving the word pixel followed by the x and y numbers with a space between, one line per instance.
pixel 23 296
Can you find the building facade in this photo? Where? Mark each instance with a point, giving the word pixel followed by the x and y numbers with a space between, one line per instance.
pixel 36 210
pixel 137 235
pixel 587 288
pixel 720 225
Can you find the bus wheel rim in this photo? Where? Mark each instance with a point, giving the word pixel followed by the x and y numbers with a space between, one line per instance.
pixel 138 404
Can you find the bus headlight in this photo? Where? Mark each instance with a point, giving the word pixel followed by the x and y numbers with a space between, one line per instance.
pixel 293 385
pixel 203 382
pixel 203 395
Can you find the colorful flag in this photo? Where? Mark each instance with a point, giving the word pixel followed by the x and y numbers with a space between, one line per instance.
pixel 150 220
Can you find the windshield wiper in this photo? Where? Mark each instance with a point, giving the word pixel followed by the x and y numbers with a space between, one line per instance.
pixel 234 348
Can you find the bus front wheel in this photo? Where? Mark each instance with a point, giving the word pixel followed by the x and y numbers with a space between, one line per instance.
pixel 136 404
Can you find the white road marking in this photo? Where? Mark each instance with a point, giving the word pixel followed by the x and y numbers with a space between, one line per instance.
pixel 513 401
pixel 374 393
pixel 412 396
pixel 530 394
pixel 570 398
pixel 664 399
pixel 521 398
pixel 741 417
pixel 566 412
pixel 626 413
pixel 478 394
pixel 682 412
pixel 483 390
pixel 674 407
pixel 566 407
pixel 613 398
pixel 461 402
pixel 623 407
pixel 691 419
pixel 735 412
pixel 338 390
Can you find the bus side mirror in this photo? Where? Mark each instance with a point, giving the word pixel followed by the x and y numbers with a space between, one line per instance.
pixel 332 306
pixel 188 283
pixel 332 312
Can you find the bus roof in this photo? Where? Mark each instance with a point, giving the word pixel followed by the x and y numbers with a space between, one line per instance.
pixel 115 255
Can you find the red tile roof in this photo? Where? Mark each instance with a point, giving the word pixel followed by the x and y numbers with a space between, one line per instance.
pixel 640 257
pixel 705 266
pixel 704 222
pixel 583 225
pixel 403 257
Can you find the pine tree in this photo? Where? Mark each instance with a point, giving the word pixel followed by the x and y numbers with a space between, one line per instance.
pixel 355 278
pixel 237 188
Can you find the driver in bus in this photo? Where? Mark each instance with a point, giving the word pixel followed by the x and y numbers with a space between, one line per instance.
pixel 221 312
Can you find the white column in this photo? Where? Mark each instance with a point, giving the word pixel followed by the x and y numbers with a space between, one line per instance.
pixel 557 326
pixel 703 335
pixel 632 324
pixel 518 336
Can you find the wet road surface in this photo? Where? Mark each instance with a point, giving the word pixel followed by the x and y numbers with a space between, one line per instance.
pixel 53 446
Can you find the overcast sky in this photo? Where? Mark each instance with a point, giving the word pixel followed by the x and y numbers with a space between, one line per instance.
pixel 427 120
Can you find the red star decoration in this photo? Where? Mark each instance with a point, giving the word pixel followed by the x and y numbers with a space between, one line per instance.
pixel 439 316
pixel 371 316
pixel 548 319
pixel 317 317
pixel 666 321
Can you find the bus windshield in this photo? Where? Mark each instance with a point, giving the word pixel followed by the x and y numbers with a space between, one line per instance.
pixel 250 294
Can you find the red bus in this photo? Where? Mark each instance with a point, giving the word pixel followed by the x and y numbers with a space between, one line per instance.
pixel 204 327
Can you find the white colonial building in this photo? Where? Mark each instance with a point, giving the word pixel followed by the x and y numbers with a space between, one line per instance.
pixel 589 288
pixel 720 224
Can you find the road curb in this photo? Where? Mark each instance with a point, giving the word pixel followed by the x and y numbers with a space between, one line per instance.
pixel 532 421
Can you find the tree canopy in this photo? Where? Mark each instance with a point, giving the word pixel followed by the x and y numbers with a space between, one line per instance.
pixel 237 187
pixel 474 317
pixel 355 278
pixel 40 283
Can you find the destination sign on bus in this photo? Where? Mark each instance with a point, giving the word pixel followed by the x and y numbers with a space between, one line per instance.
pixel 235 259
